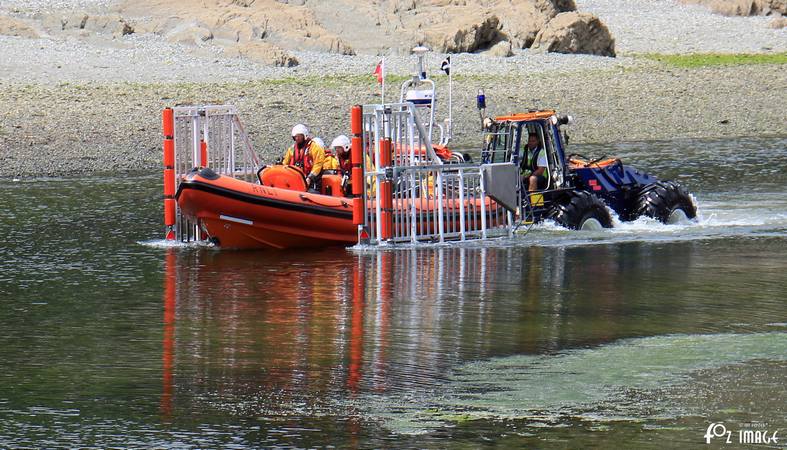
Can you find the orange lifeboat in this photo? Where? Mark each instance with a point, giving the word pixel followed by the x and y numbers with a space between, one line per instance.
pixel 277 214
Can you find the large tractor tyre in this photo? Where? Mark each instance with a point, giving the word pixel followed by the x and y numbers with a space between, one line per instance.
pixel 666 201
pixel 581 210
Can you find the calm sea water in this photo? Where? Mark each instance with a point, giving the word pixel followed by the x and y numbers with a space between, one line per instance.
pixel 640 336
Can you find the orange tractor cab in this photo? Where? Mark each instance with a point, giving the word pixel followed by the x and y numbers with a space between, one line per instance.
pixel 577 188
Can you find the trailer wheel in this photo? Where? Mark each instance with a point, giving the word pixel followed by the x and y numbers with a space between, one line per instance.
pixel 666 201
pixel 581 210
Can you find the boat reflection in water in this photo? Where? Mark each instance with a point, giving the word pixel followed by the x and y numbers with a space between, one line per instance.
pixel 290 334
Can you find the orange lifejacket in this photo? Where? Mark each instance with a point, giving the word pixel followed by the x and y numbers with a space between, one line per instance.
pixel 302 157
pixel 346 166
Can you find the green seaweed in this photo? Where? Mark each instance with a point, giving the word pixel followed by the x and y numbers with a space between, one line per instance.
pixel 694 60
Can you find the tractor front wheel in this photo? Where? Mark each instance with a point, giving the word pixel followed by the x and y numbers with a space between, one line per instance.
pixel 581 210
pixel 666 201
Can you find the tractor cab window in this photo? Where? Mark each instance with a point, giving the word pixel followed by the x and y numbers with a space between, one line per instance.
pixel 551 136
pixel 534 143
pixel 499 142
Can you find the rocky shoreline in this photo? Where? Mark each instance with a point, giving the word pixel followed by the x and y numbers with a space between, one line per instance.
pixel 68 128
pixel 82 82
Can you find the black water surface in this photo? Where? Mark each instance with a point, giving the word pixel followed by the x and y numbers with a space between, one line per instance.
pixel 637 336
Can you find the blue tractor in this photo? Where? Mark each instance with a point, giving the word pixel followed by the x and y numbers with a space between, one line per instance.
pixel 574 190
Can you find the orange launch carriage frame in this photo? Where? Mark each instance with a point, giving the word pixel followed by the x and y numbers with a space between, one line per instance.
pixel 413 195
pixel 189 133
pixel 410 196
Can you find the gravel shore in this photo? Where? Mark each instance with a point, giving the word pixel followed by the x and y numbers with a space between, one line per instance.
pixel 87 105
pixel 665 26
pixel 98 127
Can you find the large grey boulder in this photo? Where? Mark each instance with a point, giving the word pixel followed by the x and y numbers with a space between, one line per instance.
pixel 56 22
pixel 522 20
pixel 347 26
pixel 189 33
pixel 777 6
pixel 263 52
pixel 470 36
pixel 564 5
pixel 743 7
pixel 109 24
pixel 501 50
pixel 575 32
pixel 778 23
pixel 239 29
pixel 14 27
pixel 82 23
pixel 470 26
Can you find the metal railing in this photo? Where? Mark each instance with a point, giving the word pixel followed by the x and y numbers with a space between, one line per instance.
pixel 411 196
pixel 202 136
pixel 406 194
pixel 213 136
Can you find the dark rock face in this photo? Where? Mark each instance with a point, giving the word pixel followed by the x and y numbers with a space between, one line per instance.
pixel 468 38
pixel 565 5
pixel 268 30
pixel 575 32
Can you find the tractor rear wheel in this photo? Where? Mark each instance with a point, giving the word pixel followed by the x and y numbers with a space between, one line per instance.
pixel 581 210
pixel 666 201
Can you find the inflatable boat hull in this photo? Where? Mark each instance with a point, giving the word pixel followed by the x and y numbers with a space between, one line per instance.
pixel 239 214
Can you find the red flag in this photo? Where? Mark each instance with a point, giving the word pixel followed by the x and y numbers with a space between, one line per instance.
pixel 379 72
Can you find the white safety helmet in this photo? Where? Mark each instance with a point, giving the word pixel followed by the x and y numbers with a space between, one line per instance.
pixel 341 141
pixel 319 141
pixel 300 129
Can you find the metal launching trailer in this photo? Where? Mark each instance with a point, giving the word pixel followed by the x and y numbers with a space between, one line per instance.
pixel 402 192
pixel 201 136
pixel 411 195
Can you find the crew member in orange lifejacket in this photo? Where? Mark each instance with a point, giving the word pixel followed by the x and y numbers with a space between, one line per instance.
pixel 307 155
pixel 331 164
pixel 341 161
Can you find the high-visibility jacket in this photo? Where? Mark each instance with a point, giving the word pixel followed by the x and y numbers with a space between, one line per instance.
pixel 533 159
pixel 331 163
pixel 346 166
pixel 310 158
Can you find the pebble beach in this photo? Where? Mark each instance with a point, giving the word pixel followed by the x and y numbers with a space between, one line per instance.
pixel 82 105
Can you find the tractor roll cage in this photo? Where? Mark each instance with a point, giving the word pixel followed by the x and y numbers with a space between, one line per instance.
pixel 509 133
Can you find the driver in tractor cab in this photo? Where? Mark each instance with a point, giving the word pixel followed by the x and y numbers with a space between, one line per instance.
pixel 307 155
pixel 534 164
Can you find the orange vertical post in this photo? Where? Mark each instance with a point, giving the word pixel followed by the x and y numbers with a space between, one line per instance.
pixel 169 153
pixel 356 161
pixel 203 153
pixel 385 152
pixel 356 154
pixel 168 128
pixel 168 122
pixel 357 180
pixel 358 211
pixel 385 196
pixel 356 120
pixel 169 183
